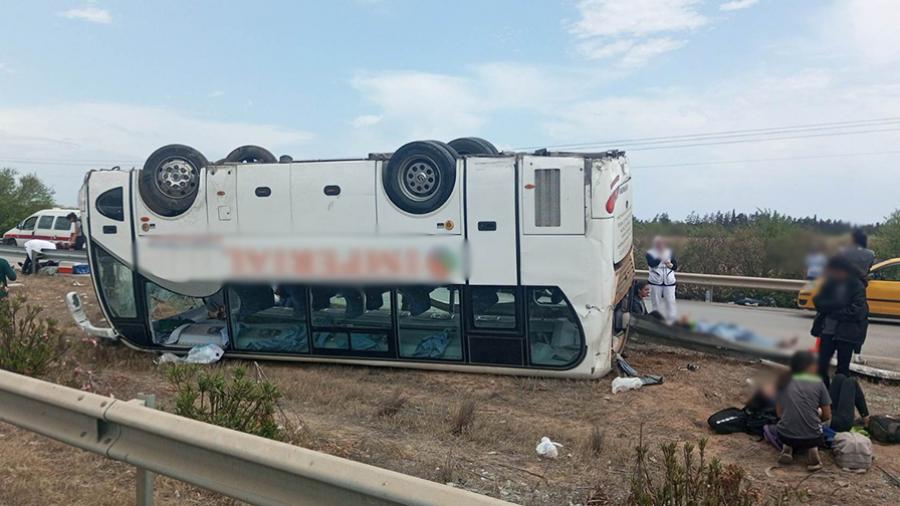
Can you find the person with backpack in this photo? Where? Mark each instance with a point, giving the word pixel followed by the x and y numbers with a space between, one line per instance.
pixel 842 313
pixel 802 406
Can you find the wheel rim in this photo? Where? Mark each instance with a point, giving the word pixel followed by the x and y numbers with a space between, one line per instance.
pixel 419 179
pixel 177 178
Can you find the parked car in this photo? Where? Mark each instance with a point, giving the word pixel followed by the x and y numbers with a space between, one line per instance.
pixel 883 292
pixel 48 224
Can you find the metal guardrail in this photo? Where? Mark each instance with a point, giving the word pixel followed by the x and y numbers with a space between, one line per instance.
pixel 775 284
pixel 242 466
pixel 58 255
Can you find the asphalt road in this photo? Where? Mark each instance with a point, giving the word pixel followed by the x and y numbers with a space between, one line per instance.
pixel 883 340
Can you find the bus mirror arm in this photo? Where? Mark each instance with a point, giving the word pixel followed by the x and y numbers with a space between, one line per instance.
pixel 73 301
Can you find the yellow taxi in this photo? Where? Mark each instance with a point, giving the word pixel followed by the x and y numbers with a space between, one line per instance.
pixel 883 292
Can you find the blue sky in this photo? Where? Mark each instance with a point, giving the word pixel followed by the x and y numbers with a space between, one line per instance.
pixel 97 83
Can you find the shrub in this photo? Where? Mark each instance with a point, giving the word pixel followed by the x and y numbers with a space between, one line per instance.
pixel 226 398
pixel 28 343
pixel 686 481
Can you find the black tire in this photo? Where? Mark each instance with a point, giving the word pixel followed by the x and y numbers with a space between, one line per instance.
pixel 251 154
pixel 473 146
pixel 170 179
pixel 285 159
pixel 420 176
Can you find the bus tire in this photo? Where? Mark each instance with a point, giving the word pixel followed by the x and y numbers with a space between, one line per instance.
pixel 251 154
pixel 420 176
pixel 473 146
pixel 170 179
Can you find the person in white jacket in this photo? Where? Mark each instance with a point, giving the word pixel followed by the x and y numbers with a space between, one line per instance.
pixel 662 264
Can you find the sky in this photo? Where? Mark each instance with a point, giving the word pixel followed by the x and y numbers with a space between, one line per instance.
pixel 90 84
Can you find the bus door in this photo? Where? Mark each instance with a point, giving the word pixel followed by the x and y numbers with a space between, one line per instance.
pixel 494 325
pixel 108 222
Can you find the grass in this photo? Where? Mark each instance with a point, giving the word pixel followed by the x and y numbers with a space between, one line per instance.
pixel 463 418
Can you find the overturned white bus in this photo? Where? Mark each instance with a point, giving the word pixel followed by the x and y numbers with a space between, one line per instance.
pixel 437 256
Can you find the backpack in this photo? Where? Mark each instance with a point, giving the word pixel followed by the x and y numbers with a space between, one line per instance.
pixel 852 451
pixel 728 421
pixel 885 429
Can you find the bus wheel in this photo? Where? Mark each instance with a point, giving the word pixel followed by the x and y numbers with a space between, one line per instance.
pixel 473 146
pixel 251 154
pixel 170 179
pixel 420 176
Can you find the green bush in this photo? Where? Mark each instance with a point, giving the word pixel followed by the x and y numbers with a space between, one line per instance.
pixel 226 398
pixel 28 343
pixel 685 478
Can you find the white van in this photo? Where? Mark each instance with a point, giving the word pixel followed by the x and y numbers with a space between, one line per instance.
pixel 48 224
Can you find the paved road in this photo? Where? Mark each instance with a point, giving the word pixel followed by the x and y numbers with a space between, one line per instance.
pixel 883 339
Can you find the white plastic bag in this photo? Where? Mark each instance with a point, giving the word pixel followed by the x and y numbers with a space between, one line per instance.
pixel 547 449
pixel 205 354
pixel 624 384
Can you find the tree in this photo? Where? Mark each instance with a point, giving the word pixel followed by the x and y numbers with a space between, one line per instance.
pixel 20 196
pixel 889 237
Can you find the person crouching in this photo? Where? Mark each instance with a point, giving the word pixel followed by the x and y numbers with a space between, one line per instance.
pixel 802 406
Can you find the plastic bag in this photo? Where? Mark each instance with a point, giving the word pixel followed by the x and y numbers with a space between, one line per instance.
pixel 205 354
pixel 624 384
pixel 547 449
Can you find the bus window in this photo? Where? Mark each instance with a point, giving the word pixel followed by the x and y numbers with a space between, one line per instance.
pixel 493 307
pixel 116 284
pixel 269 319
pixel 430 323
pixel 351 318
pixel 185 321
pixel 110 204
pixel 553 333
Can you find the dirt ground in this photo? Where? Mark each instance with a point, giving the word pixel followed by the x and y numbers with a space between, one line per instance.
pixel 402 420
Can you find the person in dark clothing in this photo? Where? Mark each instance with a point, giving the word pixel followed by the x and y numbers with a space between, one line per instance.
pixel 6 274
pixel 847 395
pixel 841 316
pixel 858 254
pixel 802 406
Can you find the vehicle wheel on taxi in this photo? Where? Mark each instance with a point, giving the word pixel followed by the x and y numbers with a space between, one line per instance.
pixel 473 146
pixel 251 154
pixel 420 176
pixel 170 179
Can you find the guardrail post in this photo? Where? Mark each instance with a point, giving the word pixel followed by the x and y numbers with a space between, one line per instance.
pixel 708 295
pixel 145 478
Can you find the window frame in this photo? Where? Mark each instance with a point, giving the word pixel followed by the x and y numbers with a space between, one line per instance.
pixel 582 336
pixel 119 215
pixel 41 219
pixel 390 332
pixel 22 226
pixel 62 219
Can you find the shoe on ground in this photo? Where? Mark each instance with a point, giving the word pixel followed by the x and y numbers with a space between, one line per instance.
pixel 787 455
pixel 813 460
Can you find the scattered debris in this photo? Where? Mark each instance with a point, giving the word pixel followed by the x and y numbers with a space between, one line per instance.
pixel 205 354
pixel 547 449
pixel 692 367
pixel 621 384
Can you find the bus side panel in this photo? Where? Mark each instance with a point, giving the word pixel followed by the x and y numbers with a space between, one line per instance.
pixel 110 223
pixel 491 221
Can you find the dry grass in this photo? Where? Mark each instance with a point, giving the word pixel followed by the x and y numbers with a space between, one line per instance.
pixel 463 418
pixel 404 420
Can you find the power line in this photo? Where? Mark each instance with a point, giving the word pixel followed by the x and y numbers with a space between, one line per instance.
pixel 729 133
pixel 760 160
pixel 768 139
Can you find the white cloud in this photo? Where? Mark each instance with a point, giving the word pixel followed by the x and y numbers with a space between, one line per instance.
pixel 89 13
pixel 633 31
pixel 105 134
pixel 216 94
pixel 867 27
pixel 366 120
pixel 736 5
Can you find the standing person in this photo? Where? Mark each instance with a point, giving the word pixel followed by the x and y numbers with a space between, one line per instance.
pixel 859 254
pixel 33 247
pixel 798 406
pixel 841 316
pixel 6 274
pixel 77 240
pixel 663 264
